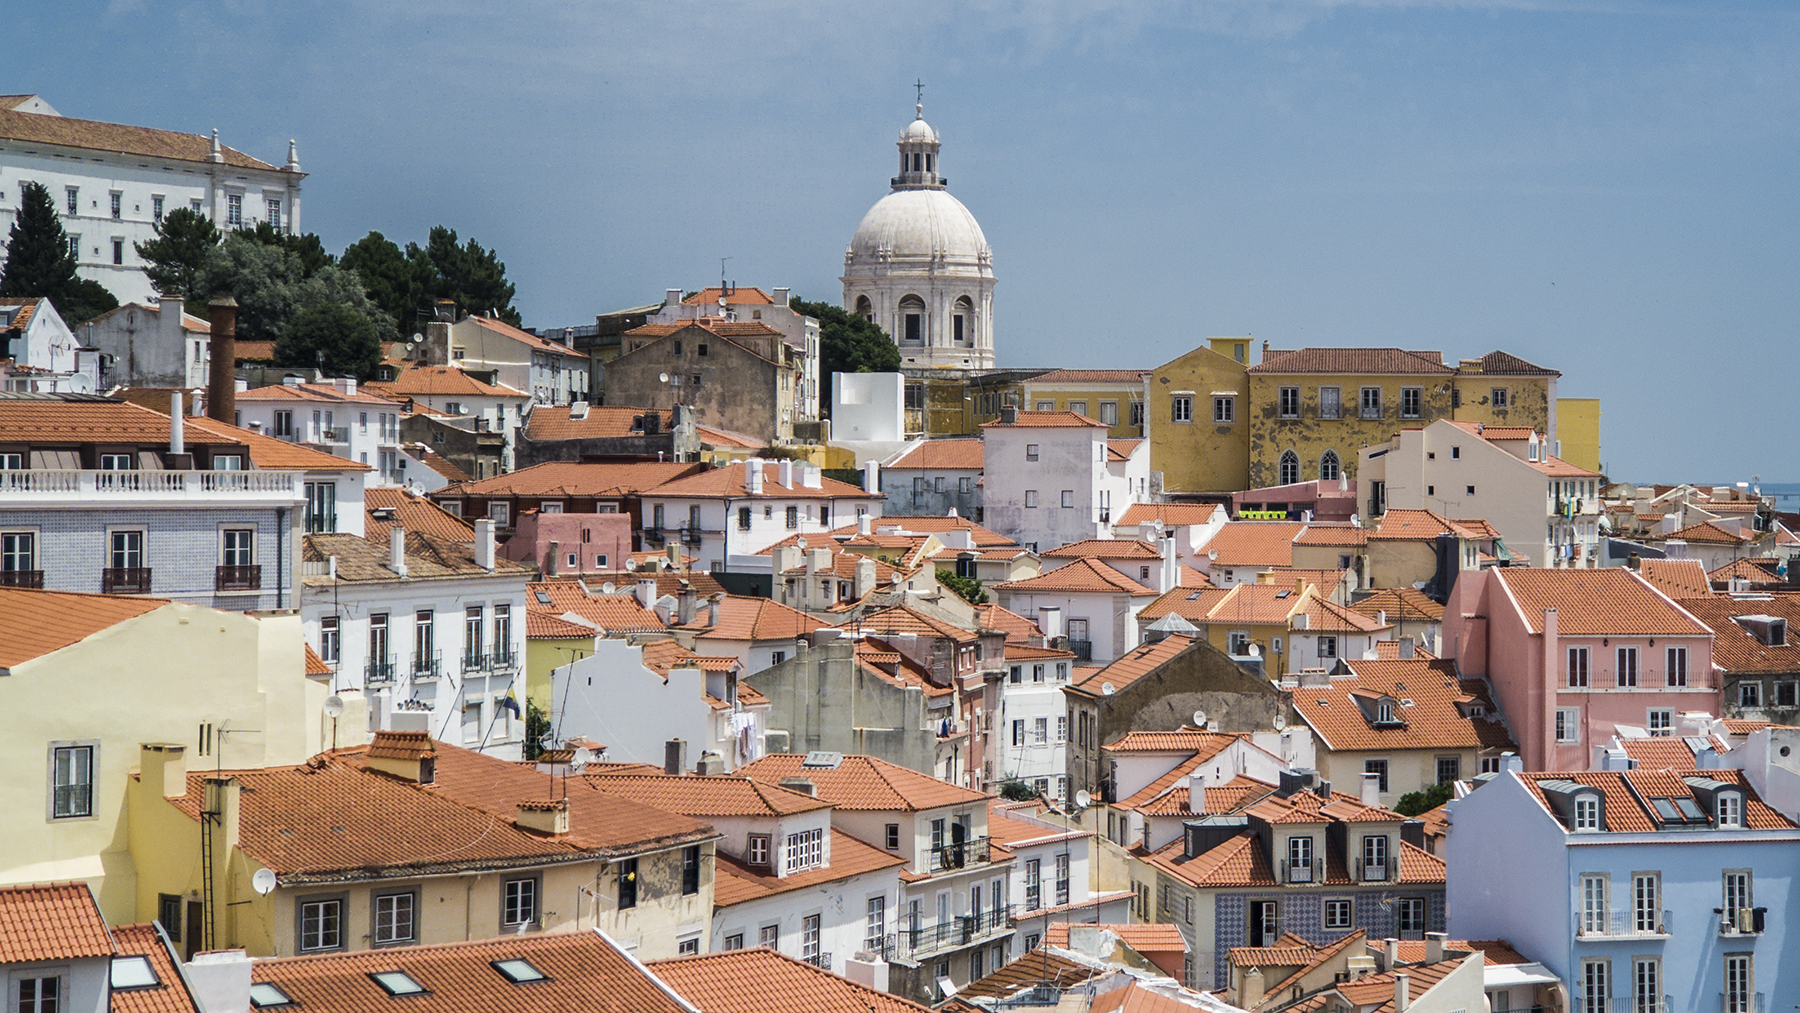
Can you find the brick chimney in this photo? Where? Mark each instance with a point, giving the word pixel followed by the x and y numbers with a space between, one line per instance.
pixel 221 388
pixel 544 817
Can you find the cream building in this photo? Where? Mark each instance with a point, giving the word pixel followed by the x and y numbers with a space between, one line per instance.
pixel 919 265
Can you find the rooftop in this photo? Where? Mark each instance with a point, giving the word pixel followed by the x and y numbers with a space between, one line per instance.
pixel 729 482
pixel 1082 575
pixel 612 613
pixel 601 422
pixel 763 981
pixel 1253 543
pixel 46 621
pixel 118 138
pixel 1134 665
pixel 1432 708
pixel 865 783
pixel 428 557
pixel 580 481
pixel 1047 420
pixel 1631 797
pixel 1105 548
pixel 439 381
pixel 1131 376
pixel 1375 361
pixel 1677 578
pixel 1594 603
pixel 1170 514
pixel 53 921
pixel 737 883
pixel 386 506
pixel 742 618
pixel 950 453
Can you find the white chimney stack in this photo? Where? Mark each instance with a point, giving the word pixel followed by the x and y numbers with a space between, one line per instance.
pixel 785 473
pixel 753 476
pixel 1197 792
pixel 646 591
pixel 1169 575
pixel 1050 621
pixel 1371 790
pixel 177 436
pixel 484 543
pixel 864 524
pixel 872 478
pixel 397 549
pixel 1402 992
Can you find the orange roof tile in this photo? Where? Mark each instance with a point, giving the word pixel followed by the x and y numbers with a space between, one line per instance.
pixel 1430 702
pixel 310 392
pixel 582 971
pixel 266 451
pixel 315 665
pixel 948 453
pixel 865 783
pixel 569 479
pixel 1083 575
pixel 742 618
pixel 1190 603
pixel 1418 525
pixel 1325 616
pixel 53 921
pixel 729 481
pixel 1172 515
pixel 1105 548
pixel 1351 360
pixel 118 138
pixel 1756 571
pixel 1044 967
pixel 1121 450
pixel 1186 740
pixel 412 512
pixel 428 557
pixel 1402 604
pixel 1744 726
pixel 613 613
pixel 507 330
pixel 170 993
pixel 1253 543
pixel 553 422
pixel 763 981
pixel 1144 938
pixel 544 626
pixel 1606 602
pixel 1735 648
pixel 1048 420
pixel 1134 665
pixel 1677 578
pixel 1709 533
pixel 44 621
pixel 735 296
pixel 1662 752
pixel 905 619
pixel 1626 793
pixel 1017 627
pixel 427 381
pixel 706 797
pixel 1131 376
pixel 737 883
pixel 1257 604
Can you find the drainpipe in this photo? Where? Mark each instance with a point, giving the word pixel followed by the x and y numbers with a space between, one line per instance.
pixel 281 526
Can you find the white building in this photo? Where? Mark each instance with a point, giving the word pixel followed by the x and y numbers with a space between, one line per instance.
pixel 45 354
pixel 551 372
pixel 799 331
pixel 726 514
pixel 1031 735
pixel 1052 478
pixel 919 266
pixel 158 345
pixel 333 417
pixel 1095 604
pixel 113 183
pixel 867 414
pixel 430 630
pixel 468 403
pixel 637 695
pixel 1052 870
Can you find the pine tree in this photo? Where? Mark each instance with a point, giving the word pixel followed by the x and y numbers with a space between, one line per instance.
pixel 469 275
pixel 39 263
pixel 401 286
pixel 176 259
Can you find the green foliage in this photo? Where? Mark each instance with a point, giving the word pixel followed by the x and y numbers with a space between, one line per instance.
pixel 847 344
pixel 177 256
pixel 773 453
pixel 966 588
pixel 39 265
pixel 399 284
pixel 307 249
pixel 1014 790
pixel 332 336
pixel 537 726
pixel 1415 802
pixel 469 275
pixel 272 289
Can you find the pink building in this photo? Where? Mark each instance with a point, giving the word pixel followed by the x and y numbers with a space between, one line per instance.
pixel 560 544
pixel 1574 654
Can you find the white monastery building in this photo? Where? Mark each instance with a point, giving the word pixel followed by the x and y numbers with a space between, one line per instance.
pixel 919 266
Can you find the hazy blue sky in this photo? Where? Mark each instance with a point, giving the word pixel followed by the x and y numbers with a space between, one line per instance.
pixel 1607 188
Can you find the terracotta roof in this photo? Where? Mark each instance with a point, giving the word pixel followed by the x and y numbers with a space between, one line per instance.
pixel 569 479
pixel 1121 450
pixel 742 618
pixel 737 883
pixel 1626 793
pixel 582 970
pixel 1743 726
pixel 761 980
pixel 1347 535
pixel 668 582
pixel 1025 652
pixel 1556 467
pixel 735 296
pixel 713 436
pixel 950 453
pixel 170 993
pixel 315 665
pixel 311 392
pixel 1402 604
pixel 1134 665
pixel 1159 937
pixel 1171 794
pixel 1418 525
pixel 1677 578
pixel 1048 420
pixel 865 783
pixel 44 621
pixel 1429 701
pixel 27 307
pixel 1375 993
pixel 1187 576
pixel 1190 603
pixel 1105 548
pixel 552 422
pixel 707 797
pixel 1171 514
pixel 613 613
pixel 1389 650
pixel 1132 376
pixel 1017 628
pixel 507 330
pixel 544 626
pixel 1709 533
pixel 931 524
pixel 1272 956
pixel 1351 360
pixel 266 451
pixel 665 656
pixel 428 381
pixel 37 421
pixel 1186 740
pixel 436 462
pixel 1253 543
pixel 1257 604
pixel 879 658
pixel 1083 575
pixel 1661 753
pixel 1735 648
pixel 412 512
pixel 1498 363
pixel 729 481
pixel 1756 571
pixel 905 619
pixel 1495 433
pixel 1605 602
pixel 844 564
pixel 1325 616
pixel 52 921
pixel 1044 966
pixel 716 325
pixel 428 557
pixel 146 142
pixel 1320 956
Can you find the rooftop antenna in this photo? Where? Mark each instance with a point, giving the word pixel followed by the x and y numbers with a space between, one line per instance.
pixel 723 289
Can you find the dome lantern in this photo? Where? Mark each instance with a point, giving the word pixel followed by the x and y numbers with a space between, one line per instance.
pixel 918 155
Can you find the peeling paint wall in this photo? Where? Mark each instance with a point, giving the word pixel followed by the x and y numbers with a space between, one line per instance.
pixel 1309 436
pixel 1199 455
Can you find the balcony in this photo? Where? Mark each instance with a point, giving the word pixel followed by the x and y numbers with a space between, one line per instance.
pixel 476 662
pixel 237 578
pixel 1083 649
pixel 338 436
pixel 1617 1004
pixel 950 857
pixel 379 671
pixel 654 537
pixel 33 579
pixel 692 536
pixel 502 660
pixel 1372 872
pixel 1626 925
pixel 427 666
pixel 34 487
pixel 1299 872
pixel 1745 1002
pixel 963 930
pixel 125 580
pixel 1748 922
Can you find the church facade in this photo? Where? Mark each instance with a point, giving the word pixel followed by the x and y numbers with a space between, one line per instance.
pixel 919 266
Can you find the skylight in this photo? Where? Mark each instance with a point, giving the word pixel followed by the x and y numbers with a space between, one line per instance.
pixel 397 983
pixel 519 971
pixel 133 972
pixel 543 597
pixel 264 995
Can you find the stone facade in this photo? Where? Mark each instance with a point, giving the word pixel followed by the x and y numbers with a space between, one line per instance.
pixel 746 381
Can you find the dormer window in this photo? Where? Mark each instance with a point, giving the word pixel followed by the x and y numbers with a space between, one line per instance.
pixel 1587 812
pixel 1728 810
pixel 1384 712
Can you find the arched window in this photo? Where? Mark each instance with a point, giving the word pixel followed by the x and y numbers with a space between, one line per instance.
pixel 912 319
pixel 1329 467
pixel 962 320
pixel 1290 468
pixel 865 308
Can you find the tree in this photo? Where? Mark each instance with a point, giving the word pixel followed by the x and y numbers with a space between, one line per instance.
pixel 272 290
pixel 400 285
pixel 1013 790
pixel 177 256
pixel 40 265
pixel 966 588
pixel 537 729
pixel 469 275
pixel 307 249
pixel 847 344
pixel 334 337
pixel 1415 802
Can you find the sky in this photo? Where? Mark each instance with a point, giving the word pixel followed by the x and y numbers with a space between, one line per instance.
pixel 1605 188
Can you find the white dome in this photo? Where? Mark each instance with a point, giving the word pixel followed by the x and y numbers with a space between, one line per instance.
pixel 919 223
pixel 919 130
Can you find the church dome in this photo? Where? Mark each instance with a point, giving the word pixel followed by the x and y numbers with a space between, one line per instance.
pixel 919 130
pixel 924 224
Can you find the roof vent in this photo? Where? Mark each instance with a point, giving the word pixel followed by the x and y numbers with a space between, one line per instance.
pixel 578 410
pixel 800 784
pixel 822 760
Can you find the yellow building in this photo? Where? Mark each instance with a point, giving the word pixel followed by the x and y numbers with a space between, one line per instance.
pixel 1500 389
pixel 408 841
pixel 90 677
pixel 1112 396
pixel 550 643
pixel 1578 431
pixel 1194 409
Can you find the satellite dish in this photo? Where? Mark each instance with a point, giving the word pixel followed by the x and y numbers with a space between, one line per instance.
pixel 263 882
pixel 662 377
pixel 1106 689
pixel 1280 722
pixel 1199 719
pixel 1083 799
pixel 800 542
pixel 334 708
pixel 583 756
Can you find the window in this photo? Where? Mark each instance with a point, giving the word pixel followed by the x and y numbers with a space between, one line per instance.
pixel 1728 809
pixel 1237 642
pixel 1380 769
pixel 1749 694
pixel 1031 499
pixel 1449 769
pixel 1596 984
pixel 893 837
pixel 1137 415
pixel 1224 409
pixel 72 199
pixel 1469 490
pixel 793 518
pixel 322 924
pixel 133 972
pixel 74 247
pixel 690 870
pixel 518 970
pixel 1568 724
pixel 1374 857
pixel 321 507
pixel 1031 451
pixel 977 970
pixel 628 883
pixel 1289 402
pixel 1328 647
pixel 1646 902
pixel 1578 667
pixel 1331 402
pixel 777 657
pixel 72 781
pixel 1040 731
pixel 1593 900
pixel 1034 884
pixel 874 923
pixel 395 918
pixel 1289 468
pixel 40 995
pixel 1337 914
pixel 1497 397
pixel 1661 721
pixel 168 915
pixel 1181 408
pixel 1109 412
pixel 744 518
pixel 1411 916
pixel 1068 499
pixel 273 207
pixel 116 462
pixel 118 251
pixel 1787 694
pixel 1739 984
pixel 234 210
pixel 1587 812
pixel 805 850
pixel 758 854
pixel 238 546
pixel 1300 859
pixel 519 900
pixel 687 947
pixel 1330 467
pixel 1078 407
pixel 1411 399
pixel 1062 728
pixel 1371 402
pixel 1676 674
pixel 1628 669
pixel 229 462
pixel 18 551
pixel 1646 973
pixel 1018 731
pixel 735 941
pixel 768 936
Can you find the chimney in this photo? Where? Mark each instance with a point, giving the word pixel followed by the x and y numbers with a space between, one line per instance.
pixel 1406 648
pixel 1402 991
pixel 407 755
pixel 802 785
pixel 753 476
pixel 1050 621
pixel 1547 716
pixel 1371 790
pixel 864 523
pixel 811 475
pixel 1170 572
pixel 222 799
pixel 397 549
pixel 484 543
pixel 871 477
pixel 1009 415
pixel 544 817
pixel 345 385
pixel 219 981
pixel 177 437
pixel 671 298
pixel 865 576
pixel 1434 946
pixel 818 559
pixel 1390 954
pixel 781 296
pixel 788 557
pixel 552 563
pixel 445 309
pixel 646 591
pixel 1360 966
pixel 221 387
pixel 684 604
pixel 1251 993
pixel 675 757
pixel 168 320
pixel 1197 792
pixel 163 768
pixel 785 473
pixel 712 611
